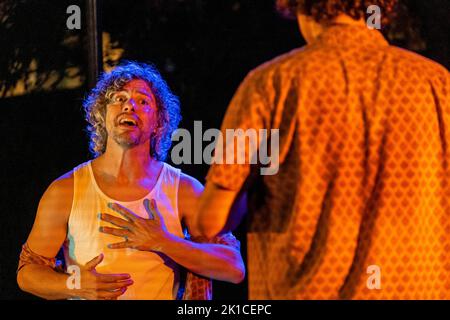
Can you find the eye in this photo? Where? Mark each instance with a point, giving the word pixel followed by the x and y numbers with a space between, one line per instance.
pixel 120 98
pixel 145 102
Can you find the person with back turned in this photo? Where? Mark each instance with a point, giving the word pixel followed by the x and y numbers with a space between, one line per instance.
pixel 359 208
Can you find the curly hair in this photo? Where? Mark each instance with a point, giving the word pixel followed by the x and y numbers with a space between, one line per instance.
pixel 327 10
pixel 168 105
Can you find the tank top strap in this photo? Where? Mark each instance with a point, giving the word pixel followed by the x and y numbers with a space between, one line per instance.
pixel 81 180
pixel 154 277
pixel 167 187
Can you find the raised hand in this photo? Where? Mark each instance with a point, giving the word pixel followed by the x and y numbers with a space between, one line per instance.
pixel 139 233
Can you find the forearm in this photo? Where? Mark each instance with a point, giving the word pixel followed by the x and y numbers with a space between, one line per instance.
pixel 214 261
pixel 44 282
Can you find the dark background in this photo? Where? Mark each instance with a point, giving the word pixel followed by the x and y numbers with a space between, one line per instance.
pixel 202 48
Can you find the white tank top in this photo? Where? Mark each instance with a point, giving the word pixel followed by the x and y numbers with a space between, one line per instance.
pixel 155 276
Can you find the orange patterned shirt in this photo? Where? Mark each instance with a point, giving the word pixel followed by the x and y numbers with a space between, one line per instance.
pixel 360 206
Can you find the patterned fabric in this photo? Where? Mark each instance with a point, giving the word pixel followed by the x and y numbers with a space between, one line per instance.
pixel 29 257
pixel 364 175
pixel 198 287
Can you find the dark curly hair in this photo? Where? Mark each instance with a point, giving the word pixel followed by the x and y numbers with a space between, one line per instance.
pixel 327 10
pixel 168 106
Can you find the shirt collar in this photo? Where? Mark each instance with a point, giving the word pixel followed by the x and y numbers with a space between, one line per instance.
pixel 345 35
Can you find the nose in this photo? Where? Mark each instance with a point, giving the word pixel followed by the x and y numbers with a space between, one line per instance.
pixel 129 105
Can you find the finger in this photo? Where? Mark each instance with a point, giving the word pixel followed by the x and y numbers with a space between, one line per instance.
pixel 120 245
pixel 94 262
pixel 114 220
pixel 115 231
pixel 123 211
pixel 153 210
pixel 114 285
pixel 113 277
pixel 147 207
pixel 102 294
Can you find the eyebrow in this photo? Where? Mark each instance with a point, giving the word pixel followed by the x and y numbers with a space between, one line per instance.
pixel 144 93
pixel 148 94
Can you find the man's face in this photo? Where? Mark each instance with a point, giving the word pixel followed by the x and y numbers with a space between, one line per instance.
pixel 132 114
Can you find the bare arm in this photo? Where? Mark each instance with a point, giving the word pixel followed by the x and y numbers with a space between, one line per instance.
pixel 221 262
pixel 219 210
pixel 216 261
pixel 46 237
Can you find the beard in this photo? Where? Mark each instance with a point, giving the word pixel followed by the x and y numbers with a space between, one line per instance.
pixel 127 139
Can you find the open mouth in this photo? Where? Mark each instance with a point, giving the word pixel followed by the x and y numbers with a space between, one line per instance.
pixel 128 122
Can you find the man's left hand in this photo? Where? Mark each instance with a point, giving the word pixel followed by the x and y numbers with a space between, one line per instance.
pixel 139 233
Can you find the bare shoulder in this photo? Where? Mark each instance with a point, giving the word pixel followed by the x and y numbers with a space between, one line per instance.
pixel 59 196
pixel 189 193
pixel 64 181
pixel 190 186
pixel 50 224
pixel 61 188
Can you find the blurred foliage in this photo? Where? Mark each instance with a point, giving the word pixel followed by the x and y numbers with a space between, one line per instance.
pixel 38 51
pixel 194 42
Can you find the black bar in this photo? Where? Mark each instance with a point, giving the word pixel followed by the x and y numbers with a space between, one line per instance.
pixel 94 41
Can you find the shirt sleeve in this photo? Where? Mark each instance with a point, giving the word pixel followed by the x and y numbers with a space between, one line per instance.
pixel 246 115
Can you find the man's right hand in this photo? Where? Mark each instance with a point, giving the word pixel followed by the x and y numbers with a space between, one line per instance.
pixel 98 286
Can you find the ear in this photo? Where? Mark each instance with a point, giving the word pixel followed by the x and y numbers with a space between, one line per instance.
pixel 309 28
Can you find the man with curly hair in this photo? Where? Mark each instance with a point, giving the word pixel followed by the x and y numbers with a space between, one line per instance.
pixel 127 192
pixel 360 206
